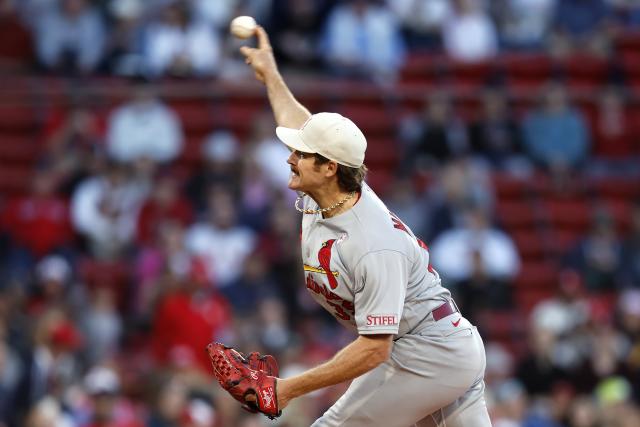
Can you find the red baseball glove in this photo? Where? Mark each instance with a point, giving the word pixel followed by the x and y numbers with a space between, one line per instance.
pixel 249 376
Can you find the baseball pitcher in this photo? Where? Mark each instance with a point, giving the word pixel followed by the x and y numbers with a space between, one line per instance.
pixel 417 360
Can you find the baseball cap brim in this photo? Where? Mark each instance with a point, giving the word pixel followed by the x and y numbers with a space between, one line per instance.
pixel 292 139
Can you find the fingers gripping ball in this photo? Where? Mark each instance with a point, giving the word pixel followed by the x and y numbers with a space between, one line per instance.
pixel 243 27
pixel 251 381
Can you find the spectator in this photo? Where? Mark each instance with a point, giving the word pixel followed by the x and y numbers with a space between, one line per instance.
pixel 626 13
pixel 583 412
pixel 631 251
pixel 102 325
pixel 461 183
pixel 612 130
pixel 254 285
pixel 363 39
pixel 220 241
pixel 179 45
pixel 160 265
pixel 581 25
pixel 144 128
pixel 51 365
pixel 267 152
pixel 107 407
pixel 10 372
pixel 165 204
pixel 104 210
pixel 598 255
pixel 52 286
pixel 188 317
pixel 525 24
pixel 69 37
pixel 404 201
pixel 437 134
pixel 297 25
pixel 421 21
pixel 555 135
pixel 566 312
pixel 511 402
pixel 123 52
pixel 217 14
pixel 540 370
pixel 220 167
pixel 37 224
pixel 455 252
pixel 72 140
pixel 469 34
pixel 15 40
pixel 495 136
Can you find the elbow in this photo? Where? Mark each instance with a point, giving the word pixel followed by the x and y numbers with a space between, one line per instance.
pixel 378 354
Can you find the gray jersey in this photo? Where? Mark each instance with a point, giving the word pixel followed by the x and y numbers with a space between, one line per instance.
pixel 368 269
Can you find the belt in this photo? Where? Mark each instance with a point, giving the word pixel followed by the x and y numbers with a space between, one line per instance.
pixel 444 310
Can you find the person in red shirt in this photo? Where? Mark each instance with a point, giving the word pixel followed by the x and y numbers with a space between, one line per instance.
pixel 164 204
pixel 36 224
pixel 189 315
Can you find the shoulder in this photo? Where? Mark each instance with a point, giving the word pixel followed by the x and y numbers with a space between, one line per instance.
pixel 374 229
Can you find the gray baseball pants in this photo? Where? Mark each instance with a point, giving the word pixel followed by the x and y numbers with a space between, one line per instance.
pixel 434 378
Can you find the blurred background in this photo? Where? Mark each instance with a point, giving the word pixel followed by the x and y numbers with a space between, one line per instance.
pixel 144 209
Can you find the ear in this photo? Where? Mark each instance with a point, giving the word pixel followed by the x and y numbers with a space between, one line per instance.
pixel 331 169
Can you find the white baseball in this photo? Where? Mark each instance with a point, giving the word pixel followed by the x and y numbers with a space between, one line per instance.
pixel 243 27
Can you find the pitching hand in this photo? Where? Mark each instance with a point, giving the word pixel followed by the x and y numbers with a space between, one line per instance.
pixel 261 58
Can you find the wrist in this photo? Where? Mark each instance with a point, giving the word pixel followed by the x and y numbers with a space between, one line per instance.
pixel 283 392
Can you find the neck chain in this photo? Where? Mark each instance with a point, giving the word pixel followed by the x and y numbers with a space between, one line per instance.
pixel 323 210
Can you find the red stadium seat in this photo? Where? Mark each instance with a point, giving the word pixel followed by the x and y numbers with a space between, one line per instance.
pixel 537 275
pixel 382 154
pixel 18 148
pixel 516 215
pixel 572 214
pixel 14 179
pixel 509 187
pixel 531 245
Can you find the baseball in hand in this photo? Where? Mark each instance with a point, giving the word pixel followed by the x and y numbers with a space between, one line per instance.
pixel 243 27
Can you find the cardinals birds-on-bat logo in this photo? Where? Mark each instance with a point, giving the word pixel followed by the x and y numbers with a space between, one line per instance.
pixel 324 258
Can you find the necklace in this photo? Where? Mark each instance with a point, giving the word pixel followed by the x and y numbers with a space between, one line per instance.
pixel 323 210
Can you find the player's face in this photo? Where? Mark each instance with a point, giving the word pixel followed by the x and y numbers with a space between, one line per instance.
pixel 305 175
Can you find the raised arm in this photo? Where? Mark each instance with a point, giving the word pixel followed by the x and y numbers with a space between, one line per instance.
pixel 287 110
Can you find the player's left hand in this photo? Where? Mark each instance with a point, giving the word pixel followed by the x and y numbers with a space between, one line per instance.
pixel 251 381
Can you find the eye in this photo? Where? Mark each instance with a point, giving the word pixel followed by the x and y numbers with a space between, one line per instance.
pixel 300 154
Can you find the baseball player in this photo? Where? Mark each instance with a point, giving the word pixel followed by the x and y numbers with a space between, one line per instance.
pixel 416 360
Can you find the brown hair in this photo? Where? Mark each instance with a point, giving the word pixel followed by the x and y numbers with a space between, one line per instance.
pixel 349 179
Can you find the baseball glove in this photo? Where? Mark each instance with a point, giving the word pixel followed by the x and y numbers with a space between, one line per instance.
pixel 243 377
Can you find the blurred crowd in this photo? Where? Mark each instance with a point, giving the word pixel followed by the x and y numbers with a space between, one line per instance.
pixel 358 38
pixel 119 264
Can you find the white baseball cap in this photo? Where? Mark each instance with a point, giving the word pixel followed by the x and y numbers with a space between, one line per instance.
pixel 329 134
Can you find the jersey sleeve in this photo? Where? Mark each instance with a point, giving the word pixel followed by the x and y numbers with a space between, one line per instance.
pixel 381 278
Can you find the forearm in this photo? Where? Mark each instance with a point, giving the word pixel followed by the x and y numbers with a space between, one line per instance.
pixel 359 357
pixel 287 110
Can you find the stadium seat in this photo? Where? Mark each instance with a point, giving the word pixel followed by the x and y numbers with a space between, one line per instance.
pixel 17 120
pixel 531 245
pixel 537 275
pixel 516 214
pixel 509 187
pixel 382 154
pixel 14 179
pixel 18 148
pixel 572 214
